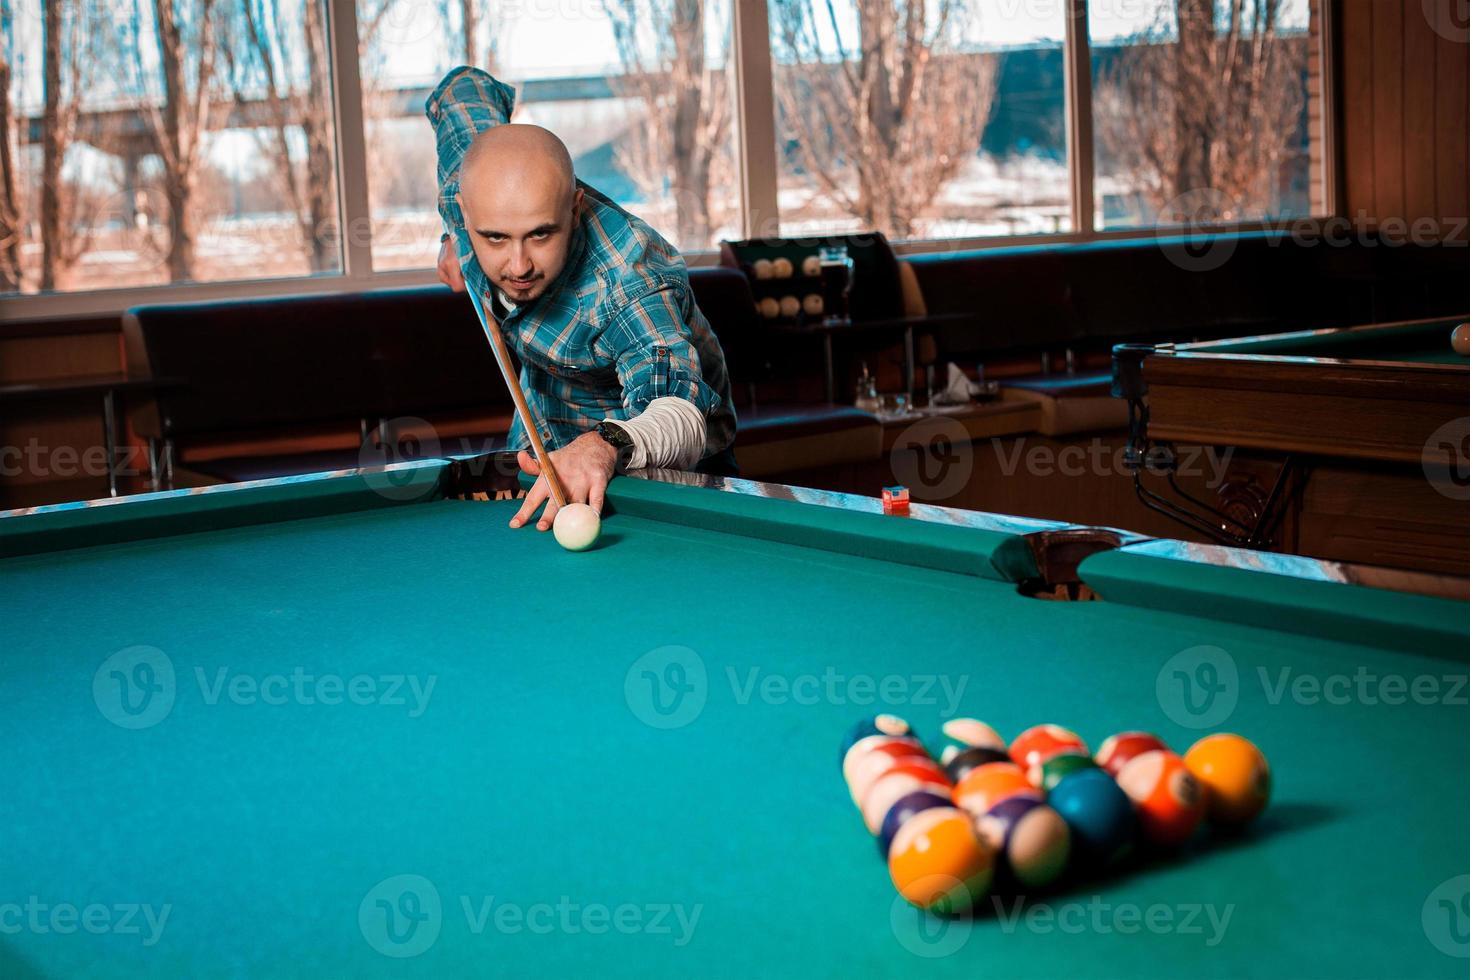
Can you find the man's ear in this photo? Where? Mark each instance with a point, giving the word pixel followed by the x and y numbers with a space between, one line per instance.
pixel 577 203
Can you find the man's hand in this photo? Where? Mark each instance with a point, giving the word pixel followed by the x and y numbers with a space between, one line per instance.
pixel 585 467
pixel 449 271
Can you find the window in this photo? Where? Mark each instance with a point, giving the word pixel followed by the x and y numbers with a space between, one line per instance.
pixel 951 125
pixel 638 89
pixel 153 141
pixel 1200 111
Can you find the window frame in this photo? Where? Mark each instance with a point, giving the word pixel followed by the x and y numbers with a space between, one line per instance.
pixel 756 137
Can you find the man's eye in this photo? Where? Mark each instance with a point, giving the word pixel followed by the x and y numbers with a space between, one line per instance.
pixel 540 236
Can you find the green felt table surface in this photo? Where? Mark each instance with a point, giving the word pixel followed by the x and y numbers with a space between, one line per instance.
pixel 1422 342
pixel 562 810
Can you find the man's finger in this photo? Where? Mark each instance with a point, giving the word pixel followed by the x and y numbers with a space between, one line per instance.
pixel 528 463
pixel 539 492
pixel 596 497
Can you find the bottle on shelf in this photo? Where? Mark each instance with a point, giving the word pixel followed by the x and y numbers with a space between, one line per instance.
pixel 867 392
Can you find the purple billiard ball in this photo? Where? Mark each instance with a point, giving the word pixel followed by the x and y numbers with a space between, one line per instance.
pixel 904 808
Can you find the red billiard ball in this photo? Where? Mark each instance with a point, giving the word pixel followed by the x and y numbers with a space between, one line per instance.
pixel 1037 744
pixel 1117 749
pixel 866 762
pixel 1169 799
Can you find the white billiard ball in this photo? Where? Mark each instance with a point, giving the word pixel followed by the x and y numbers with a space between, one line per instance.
pixel 576 527
pixel 770 307
pixel 790 306
pixel 812 304
pixel 1460 339
pixel 781 268
pixel 761 268
pixel 811 266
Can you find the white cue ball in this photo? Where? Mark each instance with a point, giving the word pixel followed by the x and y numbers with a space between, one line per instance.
pixel 770 308
pixel 812 304
pixel 790 306
pixel 811 266
pixel 1460 339
pixel 576 527
pixel 781 268
pixel 761 268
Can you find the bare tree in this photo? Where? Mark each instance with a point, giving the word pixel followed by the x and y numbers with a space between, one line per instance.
pixel 265 71
pixel 67 52
pixel 186 35
pixel 10 202
pixel 881 121
pixel 681 148
pixel 471 14
pixel 1203 123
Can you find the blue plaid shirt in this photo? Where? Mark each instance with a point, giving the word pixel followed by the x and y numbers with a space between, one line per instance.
pixel 617 329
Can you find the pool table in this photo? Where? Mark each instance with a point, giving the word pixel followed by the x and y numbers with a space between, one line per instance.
pixel 351 724
pixel 1350 444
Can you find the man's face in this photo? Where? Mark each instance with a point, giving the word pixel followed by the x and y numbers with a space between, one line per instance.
pixel 521 234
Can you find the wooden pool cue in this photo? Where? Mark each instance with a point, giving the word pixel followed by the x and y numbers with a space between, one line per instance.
pixel 502 358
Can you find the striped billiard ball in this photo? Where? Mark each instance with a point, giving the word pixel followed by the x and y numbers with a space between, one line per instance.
pixel 1117 749
pixel 973 732
pixel 903 779
pixel 868 762
pixel 1037 744
pixel 889 725
pixel 1031 840
pixel 1169 800
pixel 1046 775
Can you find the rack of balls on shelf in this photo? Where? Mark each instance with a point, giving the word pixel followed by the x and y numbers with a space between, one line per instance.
pixel 1018 817
pixel 785 290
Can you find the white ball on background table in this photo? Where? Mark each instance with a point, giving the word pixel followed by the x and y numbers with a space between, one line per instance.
pixel 781 268
pixel 790 306
pixel 761 268
pixel 812 304
pixel 576 527
pixel 811 265
pixel 1460 339
pixel 770 307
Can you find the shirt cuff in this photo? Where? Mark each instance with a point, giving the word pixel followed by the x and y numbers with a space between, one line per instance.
pixel 669 434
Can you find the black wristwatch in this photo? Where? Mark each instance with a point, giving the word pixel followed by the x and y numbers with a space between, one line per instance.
pixel 617 437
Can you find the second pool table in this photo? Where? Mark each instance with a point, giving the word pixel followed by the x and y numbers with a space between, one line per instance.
pixel 353 725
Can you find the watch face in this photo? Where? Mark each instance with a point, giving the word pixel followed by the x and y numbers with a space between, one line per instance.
pixel 614 435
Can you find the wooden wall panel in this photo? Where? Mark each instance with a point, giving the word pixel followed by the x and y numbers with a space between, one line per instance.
pixel 1403 77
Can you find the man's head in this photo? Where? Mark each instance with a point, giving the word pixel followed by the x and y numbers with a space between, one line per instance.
pixel 521 203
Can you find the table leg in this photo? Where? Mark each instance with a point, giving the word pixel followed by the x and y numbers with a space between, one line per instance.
pixel 109 434
pixel 828 371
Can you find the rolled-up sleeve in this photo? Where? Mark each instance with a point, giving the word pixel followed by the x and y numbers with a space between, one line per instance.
pixel 466 103
pixel 651 345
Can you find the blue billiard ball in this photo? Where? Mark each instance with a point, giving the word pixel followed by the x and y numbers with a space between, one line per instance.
pixel 1100 815
pixel 888 725
pixel 904 808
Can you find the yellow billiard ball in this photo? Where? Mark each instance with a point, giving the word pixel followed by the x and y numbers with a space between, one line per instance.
pixel 1460 339
pixel 1235 776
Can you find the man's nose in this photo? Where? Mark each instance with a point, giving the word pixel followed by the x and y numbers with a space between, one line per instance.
pixel 520 265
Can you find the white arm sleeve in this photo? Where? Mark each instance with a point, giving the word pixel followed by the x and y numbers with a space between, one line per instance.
pixel 669 434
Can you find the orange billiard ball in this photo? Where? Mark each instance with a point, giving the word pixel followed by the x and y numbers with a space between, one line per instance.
pixel 1235 776
pixel 1169 800
pixel 1460 339
pixel 985 786
pixel 939 861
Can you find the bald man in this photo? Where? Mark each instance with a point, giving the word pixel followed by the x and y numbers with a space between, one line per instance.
pixel 617 361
